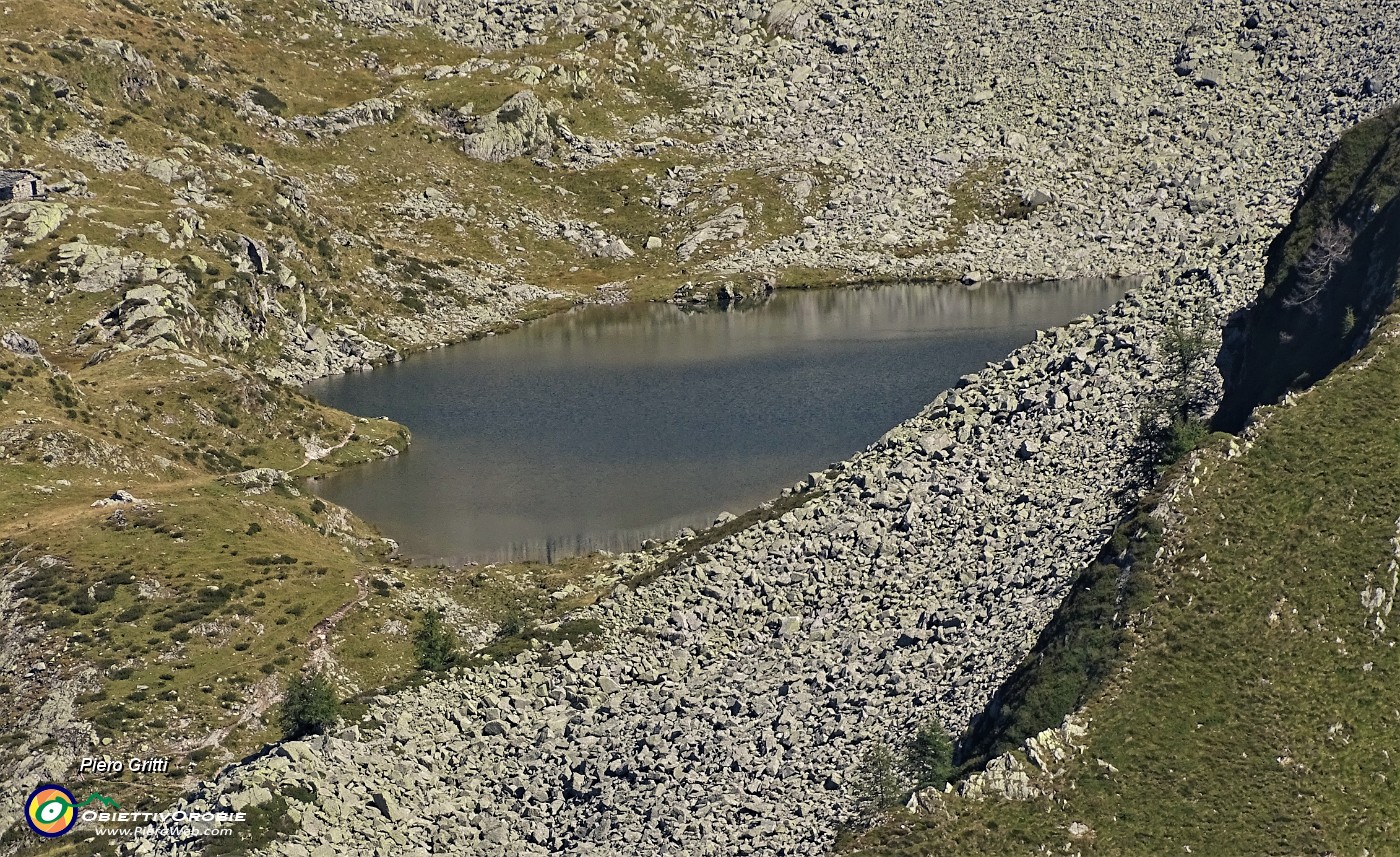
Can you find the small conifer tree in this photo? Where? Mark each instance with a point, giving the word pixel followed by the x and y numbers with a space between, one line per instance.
pixel 434 643
pixel 310 704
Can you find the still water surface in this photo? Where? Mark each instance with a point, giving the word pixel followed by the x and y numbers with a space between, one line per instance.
pixel 604 426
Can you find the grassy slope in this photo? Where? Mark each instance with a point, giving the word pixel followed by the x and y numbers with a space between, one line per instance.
pixel 1259 701
pixel 312 64
pixel 174 658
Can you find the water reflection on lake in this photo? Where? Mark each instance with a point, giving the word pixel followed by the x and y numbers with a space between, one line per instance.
pixel 600 427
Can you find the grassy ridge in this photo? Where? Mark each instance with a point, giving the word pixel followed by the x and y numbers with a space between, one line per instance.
pixel 1078 651
pixel 1362 171
pixel 1258 696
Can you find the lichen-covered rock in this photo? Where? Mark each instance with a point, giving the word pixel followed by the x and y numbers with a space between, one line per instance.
pixel 29 221
pixel 519 126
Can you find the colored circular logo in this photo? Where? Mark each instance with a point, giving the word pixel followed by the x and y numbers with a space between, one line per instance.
pixel 49 811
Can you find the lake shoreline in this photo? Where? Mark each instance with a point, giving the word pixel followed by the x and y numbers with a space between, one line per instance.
pixel 810 378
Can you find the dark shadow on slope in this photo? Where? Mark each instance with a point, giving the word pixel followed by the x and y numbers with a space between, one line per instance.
pixel 1329 277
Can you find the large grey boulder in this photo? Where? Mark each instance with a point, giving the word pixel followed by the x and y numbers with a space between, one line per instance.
pixel 256 253
pixel 21 345
pixel 518 126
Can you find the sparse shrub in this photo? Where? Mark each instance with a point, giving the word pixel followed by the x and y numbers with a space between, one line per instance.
pixel 875 783
pixel 1171 426
pixel 514 623
pixel 275 559
pixel 60 620
pixel 1183 435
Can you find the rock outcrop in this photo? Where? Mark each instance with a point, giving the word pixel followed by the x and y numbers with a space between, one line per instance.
pixel 371 111
pixel 519 126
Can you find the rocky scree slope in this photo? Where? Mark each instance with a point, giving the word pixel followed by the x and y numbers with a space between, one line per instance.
pixel 733 696
pixel 1103 143
pixel 694 144
pixel 1222 656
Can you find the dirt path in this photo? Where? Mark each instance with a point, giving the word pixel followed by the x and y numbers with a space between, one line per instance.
pixel 54 516
pixel 324 452
pixel 268 692
pixel 321 634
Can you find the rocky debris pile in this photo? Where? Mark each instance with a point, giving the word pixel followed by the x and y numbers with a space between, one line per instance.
pixel 371 111
pixel 40 692
pixel 108 156
pixel 462 304
pixel 430 204
pixel 1127 144
pixel 513 23
pixel 955 139
pixel 589 237
pixel 57 447
pixel 309 351
pixel 157 309
pixel 122 497
pixel 733 696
